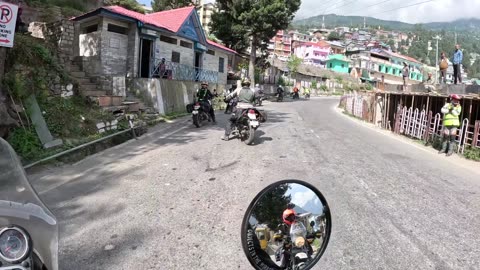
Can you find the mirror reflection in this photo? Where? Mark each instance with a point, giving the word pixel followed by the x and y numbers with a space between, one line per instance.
pixel 289 222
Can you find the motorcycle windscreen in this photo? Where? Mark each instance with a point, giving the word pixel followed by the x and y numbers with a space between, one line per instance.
pixel 21 206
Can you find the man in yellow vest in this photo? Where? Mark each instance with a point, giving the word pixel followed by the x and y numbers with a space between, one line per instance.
pixel 451 113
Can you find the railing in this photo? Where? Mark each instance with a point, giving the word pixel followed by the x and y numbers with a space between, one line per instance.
pixel 416 124
pixel 175 71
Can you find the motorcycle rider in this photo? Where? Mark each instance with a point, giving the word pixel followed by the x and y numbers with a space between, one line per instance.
pixel 229 108
pixel 280 91
pixel 204 96
pixel 289 217
pixel 258 92
pixel 306 91
pixel 246 98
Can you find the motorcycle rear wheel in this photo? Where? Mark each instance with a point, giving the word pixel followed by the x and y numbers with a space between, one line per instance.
pixel 251 136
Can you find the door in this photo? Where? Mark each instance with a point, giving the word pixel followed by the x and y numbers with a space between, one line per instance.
pixel 146 49
pixel 198 65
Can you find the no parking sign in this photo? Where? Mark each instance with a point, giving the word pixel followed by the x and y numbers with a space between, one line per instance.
pixel 8 21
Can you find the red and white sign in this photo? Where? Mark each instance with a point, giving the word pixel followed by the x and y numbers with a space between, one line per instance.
pixel 8 20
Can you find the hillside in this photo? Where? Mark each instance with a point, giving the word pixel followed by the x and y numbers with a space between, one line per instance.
pixel 338 20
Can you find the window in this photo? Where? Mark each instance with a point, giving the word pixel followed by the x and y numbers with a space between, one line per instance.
pixel 394 71
pixel 91 28
pixel 379 68
pixel 175 57
pixel 386 70
pixel 343 65
pixel 186 44
pixel 221 65
pixel 168 40
pixel 117 29
pixel 211 52
pixel 331 65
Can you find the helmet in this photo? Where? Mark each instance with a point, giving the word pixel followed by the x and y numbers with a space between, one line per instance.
pixel 257 85
pixel 289 216
pixel 246 82
pixel 455 97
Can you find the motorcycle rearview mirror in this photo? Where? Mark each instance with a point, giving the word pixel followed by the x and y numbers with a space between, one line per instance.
pixel 265 215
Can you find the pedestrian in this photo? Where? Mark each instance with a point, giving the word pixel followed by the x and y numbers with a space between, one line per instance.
pixel 457 64
pixel 443 68
pixel 405 74
pixel 451 113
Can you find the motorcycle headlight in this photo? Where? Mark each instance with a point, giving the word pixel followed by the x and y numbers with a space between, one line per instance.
pixel 299 241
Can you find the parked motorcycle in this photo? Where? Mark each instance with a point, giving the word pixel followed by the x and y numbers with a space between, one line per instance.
pixel 28 230
pixel 295 95
pixel 259 100
pixel 307 96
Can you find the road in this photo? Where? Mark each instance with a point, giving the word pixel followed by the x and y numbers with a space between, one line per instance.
pixel 176 198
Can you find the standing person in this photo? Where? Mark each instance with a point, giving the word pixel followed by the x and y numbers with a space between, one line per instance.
pixel 443 68
pixel 451 112
pixel 457 64
pixel 405 74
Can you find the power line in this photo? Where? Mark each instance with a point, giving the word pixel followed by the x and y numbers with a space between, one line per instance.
pixel 402 7
pixel 368 7
pixel 342 5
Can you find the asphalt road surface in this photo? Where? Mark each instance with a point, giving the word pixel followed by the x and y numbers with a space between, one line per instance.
pixel 175 199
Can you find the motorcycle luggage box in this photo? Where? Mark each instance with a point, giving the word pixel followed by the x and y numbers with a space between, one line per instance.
pixel 189 108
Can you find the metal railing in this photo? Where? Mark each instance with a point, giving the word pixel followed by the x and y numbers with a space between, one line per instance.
pixel 417 124
pixel 175 71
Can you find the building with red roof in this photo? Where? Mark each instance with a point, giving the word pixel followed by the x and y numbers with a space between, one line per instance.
pixel 117 42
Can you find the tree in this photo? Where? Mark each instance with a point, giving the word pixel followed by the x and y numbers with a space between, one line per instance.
pixel 128 4
pixel 160 5
pixel 253 21
pixel 391 43
pixel 270 207
pixel 333 36
pixel 293 63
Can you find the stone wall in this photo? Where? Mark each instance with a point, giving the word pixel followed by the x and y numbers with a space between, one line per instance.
pixel 167 96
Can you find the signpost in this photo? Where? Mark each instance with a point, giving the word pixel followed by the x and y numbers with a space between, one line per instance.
pixel 8 21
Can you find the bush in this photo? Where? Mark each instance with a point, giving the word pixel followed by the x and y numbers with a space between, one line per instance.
pixel 472 153
pixel 369 87
pixel 314 85
pixel 281 81
pixel 26 143
pixel 324 87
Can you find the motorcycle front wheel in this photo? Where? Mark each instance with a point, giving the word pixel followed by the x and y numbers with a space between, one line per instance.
pixel 196 120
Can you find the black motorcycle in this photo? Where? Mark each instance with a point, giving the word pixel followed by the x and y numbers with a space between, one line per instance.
pixel 28 229
pixel 295 95
pixel 247 123
pixel 259 99
pixel 279 97
pixel 199 113
pixel 230 105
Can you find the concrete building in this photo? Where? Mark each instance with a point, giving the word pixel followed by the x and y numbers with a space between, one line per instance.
pixel 312 53
pixel 205 12
pixel 338 63
pixel 280 45
pixel 116 43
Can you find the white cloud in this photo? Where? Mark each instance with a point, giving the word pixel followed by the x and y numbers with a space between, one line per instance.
pixel 435 11
pixel 305 198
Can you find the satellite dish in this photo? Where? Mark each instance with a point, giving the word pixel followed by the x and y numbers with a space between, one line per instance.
pixel 69 87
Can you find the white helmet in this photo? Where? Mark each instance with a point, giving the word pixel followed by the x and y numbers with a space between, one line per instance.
pixel 257 85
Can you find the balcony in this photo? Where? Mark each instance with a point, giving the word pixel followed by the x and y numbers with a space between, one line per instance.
pixel 175 71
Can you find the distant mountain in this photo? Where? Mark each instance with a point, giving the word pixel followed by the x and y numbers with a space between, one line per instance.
pixel 357 21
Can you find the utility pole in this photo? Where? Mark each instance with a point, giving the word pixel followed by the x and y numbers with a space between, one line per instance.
pixel 323 22
pixel 364 22
pixel 437 37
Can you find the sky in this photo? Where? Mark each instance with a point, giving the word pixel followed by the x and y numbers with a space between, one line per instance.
pixel 305 198
pixel 433 11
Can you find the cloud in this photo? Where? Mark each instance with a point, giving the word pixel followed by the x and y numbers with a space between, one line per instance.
pixel 435 11
pixel 307 200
